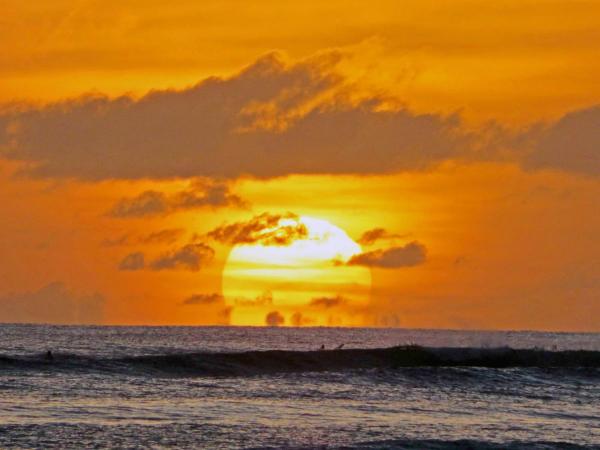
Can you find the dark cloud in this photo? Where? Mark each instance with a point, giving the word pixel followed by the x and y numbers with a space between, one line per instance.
pixel 166 236
pixel 411 254
pixel 571 144
pixel 148 203
pixel 265 229
pixel 369 237
pixel 189 257
pixel 133 261
pixel 207 193
pixel 53 303
pixel 203 299
pixel 199 195
pixel 274 319
pixel 269 120
pixel 328 302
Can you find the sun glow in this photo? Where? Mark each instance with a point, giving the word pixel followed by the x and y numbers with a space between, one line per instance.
pixel 293 280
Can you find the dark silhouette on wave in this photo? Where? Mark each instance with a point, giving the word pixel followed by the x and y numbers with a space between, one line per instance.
pixel 251 363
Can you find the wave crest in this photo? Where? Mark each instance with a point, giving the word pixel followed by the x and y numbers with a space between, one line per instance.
pixel 251 363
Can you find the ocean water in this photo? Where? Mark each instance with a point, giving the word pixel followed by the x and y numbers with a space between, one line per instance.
pixel 236 387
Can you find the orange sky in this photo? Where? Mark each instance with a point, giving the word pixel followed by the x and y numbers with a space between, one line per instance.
pixel 140 141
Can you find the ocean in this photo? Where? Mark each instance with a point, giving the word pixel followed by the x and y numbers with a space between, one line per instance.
pixel 239 387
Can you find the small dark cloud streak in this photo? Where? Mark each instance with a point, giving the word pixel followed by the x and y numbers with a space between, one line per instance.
pixel 370 237
pixel 264 229
pixel 328 302
pixel 412 254
pixel 203 299
pixel 152 203
pixel 190 257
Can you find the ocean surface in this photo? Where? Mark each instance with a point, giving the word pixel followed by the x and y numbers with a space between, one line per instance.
pixel 237 387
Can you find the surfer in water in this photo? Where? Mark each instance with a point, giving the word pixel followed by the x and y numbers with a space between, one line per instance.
pixel 49 356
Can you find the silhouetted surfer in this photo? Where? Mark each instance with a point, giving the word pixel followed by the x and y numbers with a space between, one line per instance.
pixel 323 347
pixel 49 356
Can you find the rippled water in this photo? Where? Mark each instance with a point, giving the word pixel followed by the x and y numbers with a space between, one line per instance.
pixel 81 404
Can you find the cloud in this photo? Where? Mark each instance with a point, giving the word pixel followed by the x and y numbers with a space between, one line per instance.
pixel 133 261
pixel 147 203
pixel 328 302
pixel 369 237
pixel 265 229
pixel 189 257
pixel 116 241
pixel 274 319
pixel 199 195
pixel 271 119
pixel 166 236
pixel 264 299
pixel 571 144
pixel 203 299
pixel 53 303
pixel 412 254
pixel 299 320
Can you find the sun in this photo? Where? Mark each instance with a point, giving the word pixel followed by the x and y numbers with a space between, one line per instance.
pixel 303 283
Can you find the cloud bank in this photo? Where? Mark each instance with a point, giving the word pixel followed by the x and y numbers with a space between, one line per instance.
pixel 271 119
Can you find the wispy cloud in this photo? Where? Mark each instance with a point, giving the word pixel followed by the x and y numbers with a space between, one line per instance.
pixel 201 194
pixel 133 261
pixel 203 299
pixel 328 302
pixel 189 257
pixel 370 237
pixel 412 254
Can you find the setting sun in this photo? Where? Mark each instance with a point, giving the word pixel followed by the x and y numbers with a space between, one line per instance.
pixel 302 283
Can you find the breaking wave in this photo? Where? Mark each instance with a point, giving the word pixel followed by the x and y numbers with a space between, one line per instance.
pixel 252 363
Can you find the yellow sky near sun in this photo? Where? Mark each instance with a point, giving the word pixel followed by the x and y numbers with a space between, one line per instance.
pixel 516 61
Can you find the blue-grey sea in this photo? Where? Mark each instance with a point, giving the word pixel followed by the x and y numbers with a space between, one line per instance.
pixel 237 387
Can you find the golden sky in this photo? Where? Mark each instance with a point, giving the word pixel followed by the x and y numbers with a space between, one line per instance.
pixel 415 163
